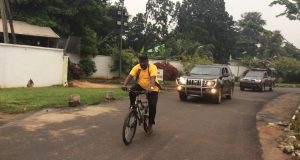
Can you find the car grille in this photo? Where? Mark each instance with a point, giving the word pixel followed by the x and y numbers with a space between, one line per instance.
pixel 196 82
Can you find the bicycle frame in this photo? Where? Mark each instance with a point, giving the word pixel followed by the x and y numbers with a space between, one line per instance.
pixel 139 114
pixel 139 108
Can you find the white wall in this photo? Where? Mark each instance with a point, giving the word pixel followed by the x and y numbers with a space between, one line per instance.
pixel 19 63
pixel 74 58
pixel 103 66
pixel 238 70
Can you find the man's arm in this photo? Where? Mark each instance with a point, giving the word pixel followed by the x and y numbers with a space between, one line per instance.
pixel 127 80
pixel 153 74
pixel 152 81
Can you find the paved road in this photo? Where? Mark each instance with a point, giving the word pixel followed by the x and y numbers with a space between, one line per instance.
pixel 194 130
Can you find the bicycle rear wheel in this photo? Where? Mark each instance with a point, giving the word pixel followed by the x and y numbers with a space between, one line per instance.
pixel 129 127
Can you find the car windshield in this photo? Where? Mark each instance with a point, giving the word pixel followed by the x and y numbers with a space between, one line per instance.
pixel 206 71
pixel 255 74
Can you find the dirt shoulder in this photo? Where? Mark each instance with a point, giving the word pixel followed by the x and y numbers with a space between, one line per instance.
pixel 85 84
pixel 280 109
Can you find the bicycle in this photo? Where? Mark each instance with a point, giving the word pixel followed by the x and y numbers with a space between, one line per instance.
pixel 137 114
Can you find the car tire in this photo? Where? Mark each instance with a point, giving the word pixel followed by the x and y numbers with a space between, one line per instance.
pixel 182 96
pixel 230 94
pixel 218 98
pixel 271 87
pixel 242 88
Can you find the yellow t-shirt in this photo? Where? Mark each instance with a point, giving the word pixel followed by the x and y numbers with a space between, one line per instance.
pixel 144 78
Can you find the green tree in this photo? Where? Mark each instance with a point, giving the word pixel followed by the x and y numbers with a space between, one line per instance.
pixel 250 29
pixel 160 12
pixel 207 22
pixel 292 8
pixel 291 51
pixel 136 36
pixel 88 20
pixel 142 35
pixel 271 43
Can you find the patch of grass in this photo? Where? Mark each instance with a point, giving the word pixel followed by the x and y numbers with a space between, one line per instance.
pixel 17 100
pixel 287 85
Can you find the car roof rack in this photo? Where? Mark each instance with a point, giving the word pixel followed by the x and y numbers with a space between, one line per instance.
pixel 261 69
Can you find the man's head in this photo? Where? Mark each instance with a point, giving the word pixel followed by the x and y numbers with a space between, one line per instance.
pixel 143 60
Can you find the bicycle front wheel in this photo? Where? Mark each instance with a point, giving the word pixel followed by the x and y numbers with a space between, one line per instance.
pixel 129 127
pixel 146 121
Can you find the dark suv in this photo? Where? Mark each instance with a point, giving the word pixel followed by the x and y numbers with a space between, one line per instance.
pixel 258 79
pixel 213 81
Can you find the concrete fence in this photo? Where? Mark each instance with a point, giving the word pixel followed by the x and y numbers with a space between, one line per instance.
pixel 48 66
pixel 20 63
pixel 103 65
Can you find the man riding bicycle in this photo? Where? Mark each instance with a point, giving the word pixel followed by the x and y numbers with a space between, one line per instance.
pixel 146 77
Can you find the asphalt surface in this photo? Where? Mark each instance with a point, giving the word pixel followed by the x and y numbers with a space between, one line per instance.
pixel 193 130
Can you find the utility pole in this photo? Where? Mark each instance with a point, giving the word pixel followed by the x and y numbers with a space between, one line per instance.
pixel 4 21
pixel 11 25
pixel 121 38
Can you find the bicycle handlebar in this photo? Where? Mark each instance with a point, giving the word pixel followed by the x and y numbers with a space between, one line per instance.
pixel 137 92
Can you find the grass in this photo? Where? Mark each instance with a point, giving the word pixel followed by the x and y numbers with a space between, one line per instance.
pixel 18 100
pixel 279 85
pixel 287 85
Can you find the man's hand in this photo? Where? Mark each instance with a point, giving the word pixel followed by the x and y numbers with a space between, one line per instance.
pixel 124 88
pixel 150 90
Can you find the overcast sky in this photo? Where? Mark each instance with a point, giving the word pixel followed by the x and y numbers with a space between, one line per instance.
pixel 290 29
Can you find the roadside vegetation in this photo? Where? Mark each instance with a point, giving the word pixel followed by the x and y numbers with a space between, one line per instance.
pixel 203 32
pixel 18 100
pixel 287 85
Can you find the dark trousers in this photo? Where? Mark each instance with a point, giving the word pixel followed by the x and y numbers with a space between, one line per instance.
pixel 152 101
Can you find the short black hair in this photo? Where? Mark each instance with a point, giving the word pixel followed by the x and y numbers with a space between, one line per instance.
pixel 143 57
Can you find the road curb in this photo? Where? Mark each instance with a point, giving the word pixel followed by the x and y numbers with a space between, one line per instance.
pixel 294 117
pixel 280 110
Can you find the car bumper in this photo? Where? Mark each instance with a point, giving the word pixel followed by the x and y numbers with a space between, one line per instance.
pixel 197 91
pixel 250 85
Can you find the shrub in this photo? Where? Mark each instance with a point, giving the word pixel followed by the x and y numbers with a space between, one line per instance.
pixel 88 66
pixel 170 72
pixel 288 69
pixel 74 72
pixel 129 59
pixel 190 61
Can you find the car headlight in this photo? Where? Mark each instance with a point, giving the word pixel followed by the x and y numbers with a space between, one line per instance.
pixel 258 80
pixel 210 83
pixel 182 80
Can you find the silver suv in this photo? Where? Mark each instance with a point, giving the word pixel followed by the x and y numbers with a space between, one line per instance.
pixel 258 79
